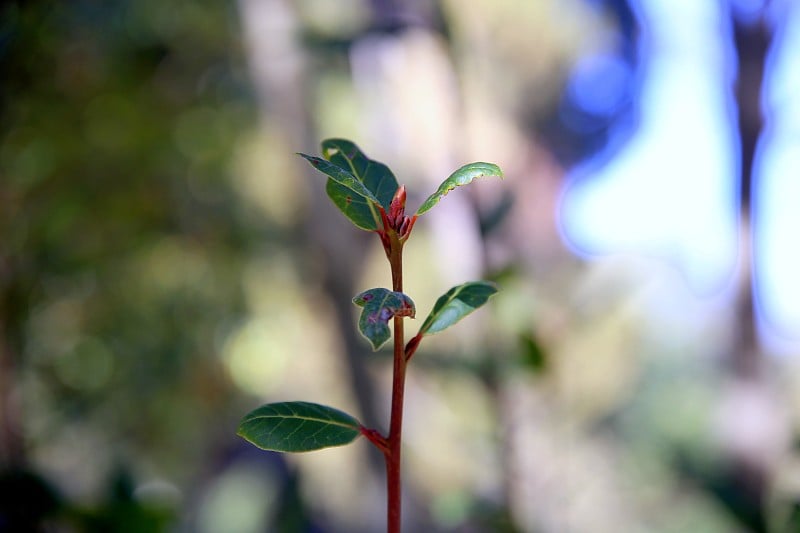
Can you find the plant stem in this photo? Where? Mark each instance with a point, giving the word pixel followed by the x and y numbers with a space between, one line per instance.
pixel 393 484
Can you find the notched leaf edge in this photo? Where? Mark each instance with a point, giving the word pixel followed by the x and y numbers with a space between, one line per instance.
pixel 378 307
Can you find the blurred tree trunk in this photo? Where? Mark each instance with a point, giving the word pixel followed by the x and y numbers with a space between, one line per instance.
pixel 278 67
pixel 750 475
pixel 752 41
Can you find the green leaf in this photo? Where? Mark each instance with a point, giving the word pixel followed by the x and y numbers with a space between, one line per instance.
pixel 462 176
pixel 457 303
pixel 298 427
pixel 374 175
pixel 341 177
pixel 347 163
pixel 379 306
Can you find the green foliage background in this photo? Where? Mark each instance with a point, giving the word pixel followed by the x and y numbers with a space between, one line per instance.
pixel 122 237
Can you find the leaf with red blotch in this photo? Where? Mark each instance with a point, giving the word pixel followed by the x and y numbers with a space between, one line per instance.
pixel 379 305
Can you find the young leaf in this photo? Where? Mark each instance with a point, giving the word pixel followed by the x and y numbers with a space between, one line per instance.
pixel 344 157
pixel 455 304
pixel 374 175
pixel 298 427
pixel 379 306
pixel 462 176
pixel 341 176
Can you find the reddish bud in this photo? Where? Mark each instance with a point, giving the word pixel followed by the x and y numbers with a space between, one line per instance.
pixel 403 226
pixel 398 206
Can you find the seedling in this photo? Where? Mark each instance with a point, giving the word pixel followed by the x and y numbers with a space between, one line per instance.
pixel 367 193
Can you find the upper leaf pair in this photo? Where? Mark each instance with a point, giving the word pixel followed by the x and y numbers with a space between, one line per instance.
pixel 361 187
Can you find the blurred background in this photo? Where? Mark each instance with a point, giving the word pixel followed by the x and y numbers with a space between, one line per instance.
pixel 167 263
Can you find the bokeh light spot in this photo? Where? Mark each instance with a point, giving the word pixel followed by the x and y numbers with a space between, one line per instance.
pixel 600 83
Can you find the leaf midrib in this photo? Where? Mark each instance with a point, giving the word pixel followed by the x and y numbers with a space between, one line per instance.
pixel 312 419
pixel 375 216
pixel 436 312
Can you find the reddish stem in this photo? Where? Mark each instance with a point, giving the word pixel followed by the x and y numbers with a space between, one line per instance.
pixel 393 480
pixel 412 346
pixel 375 438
